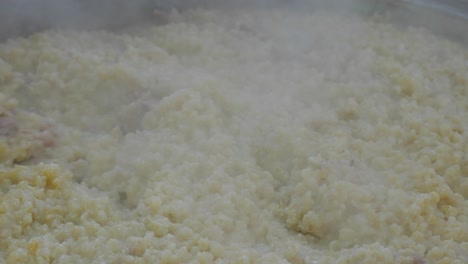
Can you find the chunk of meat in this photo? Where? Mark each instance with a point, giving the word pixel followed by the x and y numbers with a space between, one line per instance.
pixel 8 125
pixel 24 136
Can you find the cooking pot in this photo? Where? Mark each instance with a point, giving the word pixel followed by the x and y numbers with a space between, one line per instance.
pixel 23 17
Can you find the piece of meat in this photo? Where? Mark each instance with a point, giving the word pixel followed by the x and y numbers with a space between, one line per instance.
pixel 24 136
pixel 8 125
pixel 418 260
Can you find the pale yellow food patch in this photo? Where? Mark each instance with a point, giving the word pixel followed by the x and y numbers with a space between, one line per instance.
pixel 242 136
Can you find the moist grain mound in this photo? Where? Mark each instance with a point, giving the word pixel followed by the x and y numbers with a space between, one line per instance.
pixel 247 136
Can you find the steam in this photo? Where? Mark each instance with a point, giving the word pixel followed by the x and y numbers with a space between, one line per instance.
pixel 23 17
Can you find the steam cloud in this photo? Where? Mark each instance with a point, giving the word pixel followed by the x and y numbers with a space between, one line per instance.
pixel 22 17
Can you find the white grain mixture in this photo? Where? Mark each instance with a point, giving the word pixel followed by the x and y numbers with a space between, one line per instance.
pixel 235 137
